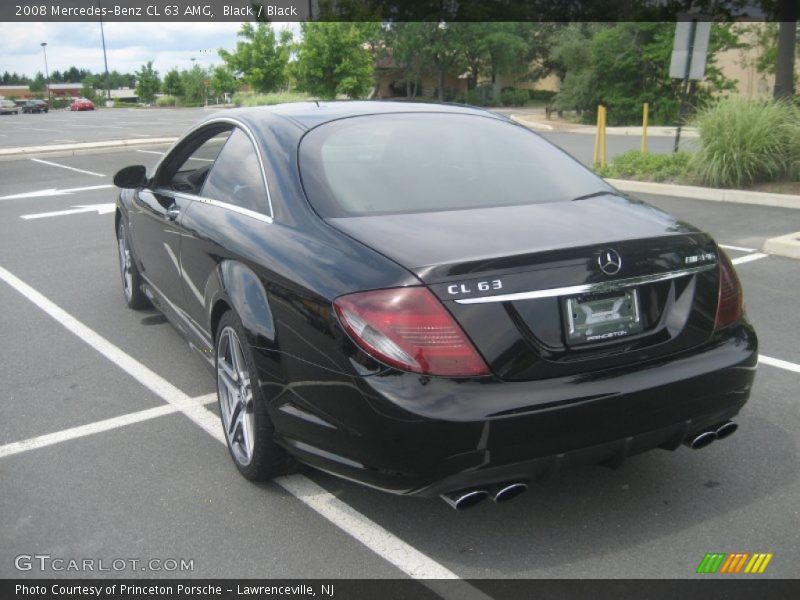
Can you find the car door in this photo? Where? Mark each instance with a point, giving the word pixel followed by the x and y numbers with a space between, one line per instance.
pixel 233 214
pixel 156 228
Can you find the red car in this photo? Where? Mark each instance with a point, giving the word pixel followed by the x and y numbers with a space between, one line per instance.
pixel 81 104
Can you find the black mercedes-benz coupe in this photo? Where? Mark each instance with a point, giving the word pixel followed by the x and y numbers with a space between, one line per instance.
pixel 430 299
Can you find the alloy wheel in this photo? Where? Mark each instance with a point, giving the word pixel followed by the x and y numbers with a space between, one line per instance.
pixel 235 396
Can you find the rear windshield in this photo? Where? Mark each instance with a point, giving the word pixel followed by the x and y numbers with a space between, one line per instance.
pixel 420 162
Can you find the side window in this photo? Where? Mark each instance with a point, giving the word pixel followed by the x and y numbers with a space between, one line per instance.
pixel 192 173
pixel 236 176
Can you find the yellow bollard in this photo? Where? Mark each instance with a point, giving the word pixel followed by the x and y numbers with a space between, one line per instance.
pixel 596 154
pixel 645 114
pixel 599 156
pixel 603 156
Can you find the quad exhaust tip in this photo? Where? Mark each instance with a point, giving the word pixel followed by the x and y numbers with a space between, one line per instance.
pixel 717 432
pixel 726 429
pixel 465 499
pixel 507 491
pixel 499 493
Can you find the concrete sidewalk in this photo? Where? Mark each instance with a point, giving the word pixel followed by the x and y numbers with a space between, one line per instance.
pixel 540 123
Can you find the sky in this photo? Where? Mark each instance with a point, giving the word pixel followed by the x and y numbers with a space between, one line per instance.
pixel 129 45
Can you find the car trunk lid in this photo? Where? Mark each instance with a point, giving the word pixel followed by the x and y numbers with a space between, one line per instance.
pixel 527 283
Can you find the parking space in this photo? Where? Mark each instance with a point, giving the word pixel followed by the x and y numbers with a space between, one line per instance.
pixel 63 126
pixel 164 487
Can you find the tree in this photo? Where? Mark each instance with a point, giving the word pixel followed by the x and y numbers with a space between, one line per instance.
pixel 148 83
pixel 405 42
pixel 172 84
pixel 193 82
pixel 87 90
pixel 261 57
pixel 38 83
pixel 336 59
pixel 626 64
pixel 223 81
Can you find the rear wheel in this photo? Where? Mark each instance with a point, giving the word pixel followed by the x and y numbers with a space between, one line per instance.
pixel 248 428
pixel 135 298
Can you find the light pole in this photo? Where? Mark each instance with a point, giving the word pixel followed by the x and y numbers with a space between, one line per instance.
pixel 46 72
pixel 105 61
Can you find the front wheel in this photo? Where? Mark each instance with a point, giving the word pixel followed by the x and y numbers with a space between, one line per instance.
pixel 135 298
pixel 248 428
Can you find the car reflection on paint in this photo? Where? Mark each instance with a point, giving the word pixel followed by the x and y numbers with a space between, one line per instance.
pixel 430 300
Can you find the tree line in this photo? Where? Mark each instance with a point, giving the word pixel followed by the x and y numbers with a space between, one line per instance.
pixel 620 65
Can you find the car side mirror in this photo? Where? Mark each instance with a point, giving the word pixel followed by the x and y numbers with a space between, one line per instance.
pixel 131 177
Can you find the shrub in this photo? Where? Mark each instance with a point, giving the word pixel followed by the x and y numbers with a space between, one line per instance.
pixel 747 141
pixel 514 97
pixel 166 101
pixel 253 99
pixel 542 95
pixel 650 167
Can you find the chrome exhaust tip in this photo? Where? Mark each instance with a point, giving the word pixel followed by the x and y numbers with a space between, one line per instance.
pixel 464 499
pixel 701 440
pixel 726 429
pixel 508 491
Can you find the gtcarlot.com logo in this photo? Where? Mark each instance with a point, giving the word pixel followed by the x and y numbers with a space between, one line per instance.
pixel 735 562
pixel 46 562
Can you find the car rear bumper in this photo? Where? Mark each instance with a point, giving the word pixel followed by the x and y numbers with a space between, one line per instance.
pixel 424 436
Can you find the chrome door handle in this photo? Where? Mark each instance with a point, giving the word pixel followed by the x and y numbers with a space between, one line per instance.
pixel 173 213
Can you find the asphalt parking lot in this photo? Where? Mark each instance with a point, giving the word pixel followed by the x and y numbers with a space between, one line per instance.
pixel 99 460
pixel 63 126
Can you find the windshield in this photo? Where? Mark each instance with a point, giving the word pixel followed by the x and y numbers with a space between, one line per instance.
pixel 420 162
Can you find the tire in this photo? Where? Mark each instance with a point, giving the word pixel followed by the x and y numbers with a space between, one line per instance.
pixel 247 427
pixel 135 298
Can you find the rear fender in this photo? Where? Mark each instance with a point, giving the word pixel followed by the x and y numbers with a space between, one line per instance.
pixel 239 286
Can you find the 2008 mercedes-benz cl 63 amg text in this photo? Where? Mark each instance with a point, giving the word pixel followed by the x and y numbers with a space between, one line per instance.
pixel 430 299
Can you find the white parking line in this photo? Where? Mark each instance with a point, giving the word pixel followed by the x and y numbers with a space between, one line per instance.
pixel 72 433
pixel 52 164
pixel 777 362
pixel 738 248
pixel 749 258
pixel 152 152
pixel 381 541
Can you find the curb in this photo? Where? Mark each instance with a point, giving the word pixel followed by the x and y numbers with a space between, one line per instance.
pixel 712 194
pixel 75 148
pixel 635 131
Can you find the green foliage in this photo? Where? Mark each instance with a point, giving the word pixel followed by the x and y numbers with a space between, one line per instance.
pixel 194 86
pixel 261 57
pixel 59 103
pixel 625 65
pixel 335 59
pixel 37 85
pixel 252 99
pixel 148 83
pixel 223 81
pixel 747 141
pixel 166 101
pixel 172 84
pixel 87 91
pixel 514 97
pixel 648 167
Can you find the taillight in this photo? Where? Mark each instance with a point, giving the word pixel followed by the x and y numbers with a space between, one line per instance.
pixel 410 329
pixel 729 299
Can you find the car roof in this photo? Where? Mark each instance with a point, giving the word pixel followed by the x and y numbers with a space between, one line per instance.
pixel 307 115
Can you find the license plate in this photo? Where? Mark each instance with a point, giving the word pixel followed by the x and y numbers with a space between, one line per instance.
pixel 602 317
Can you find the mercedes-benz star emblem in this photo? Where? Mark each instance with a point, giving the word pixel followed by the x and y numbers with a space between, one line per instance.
pixel 610 261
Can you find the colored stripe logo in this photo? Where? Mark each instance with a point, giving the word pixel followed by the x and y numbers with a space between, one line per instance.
pixel 735 562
